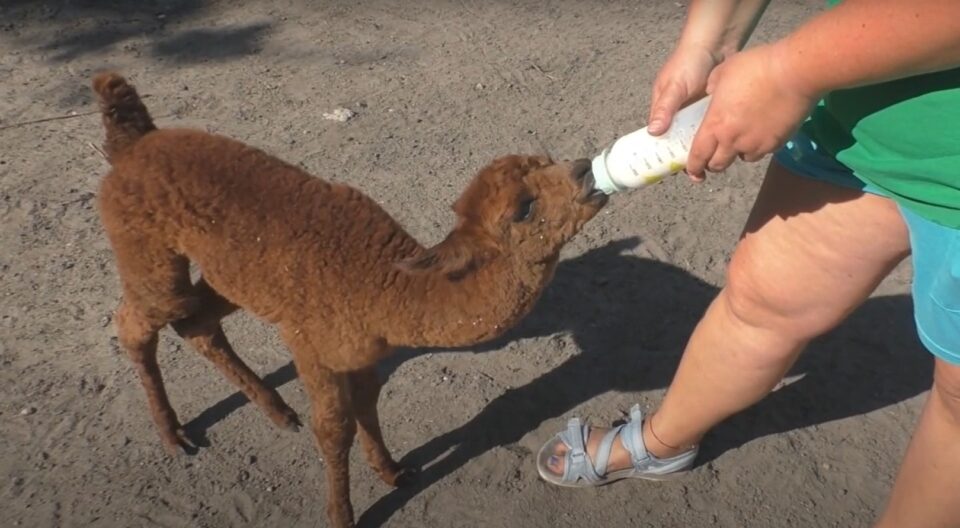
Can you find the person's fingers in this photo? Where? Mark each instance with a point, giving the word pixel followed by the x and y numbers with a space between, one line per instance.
pixel 722 158
pixel 752 151
pixel 701 151
pixel 666 102
pixel 713 78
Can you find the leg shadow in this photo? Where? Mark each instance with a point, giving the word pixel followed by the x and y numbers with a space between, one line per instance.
pixel 630 318
pixel 631 323
pixel 198 427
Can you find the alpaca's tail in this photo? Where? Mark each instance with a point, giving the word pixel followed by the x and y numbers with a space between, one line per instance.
pixel 124 115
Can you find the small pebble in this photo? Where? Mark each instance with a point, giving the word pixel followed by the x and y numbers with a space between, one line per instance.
pixel 26 411
pixel 340 114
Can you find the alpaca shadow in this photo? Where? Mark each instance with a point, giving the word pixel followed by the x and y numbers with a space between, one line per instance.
pixel 630 318
pixel 197 428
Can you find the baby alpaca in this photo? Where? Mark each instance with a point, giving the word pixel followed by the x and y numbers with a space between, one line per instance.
pixel 343 282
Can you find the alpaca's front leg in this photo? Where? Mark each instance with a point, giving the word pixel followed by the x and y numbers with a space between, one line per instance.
pixel 333 424
pixel 364 393
pixel 335 428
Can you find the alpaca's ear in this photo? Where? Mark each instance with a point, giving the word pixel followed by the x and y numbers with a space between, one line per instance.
pixel 456 256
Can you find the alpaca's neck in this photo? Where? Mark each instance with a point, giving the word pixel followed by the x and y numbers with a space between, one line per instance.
pixel 487 301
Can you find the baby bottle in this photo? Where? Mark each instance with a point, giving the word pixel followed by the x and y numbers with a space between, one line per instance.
pixel 639 159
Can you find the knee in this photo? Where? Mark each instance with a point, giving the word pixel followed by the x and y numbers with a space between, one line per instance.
pixel 134 331
pixel 768 301
pixel 335 430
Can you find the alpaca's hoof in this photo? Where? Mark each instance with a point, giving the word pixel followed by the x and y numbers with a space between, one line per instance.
pixel 177 443
pixel 406 477
pixel 289 420
pixel 282 415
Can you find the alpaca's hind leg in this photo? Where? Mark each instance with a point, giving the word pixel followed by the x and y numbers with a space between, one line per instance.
pixel 138 336
pixel 364 393
pixel 203 331
pixel 156 290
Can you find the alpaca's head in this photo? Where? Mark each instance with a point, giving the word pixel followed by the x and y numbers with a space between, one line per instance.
pixel 524 208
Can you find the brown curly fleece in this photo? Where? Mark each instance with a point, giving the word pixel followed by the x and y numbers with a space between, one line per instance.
pixel 341 279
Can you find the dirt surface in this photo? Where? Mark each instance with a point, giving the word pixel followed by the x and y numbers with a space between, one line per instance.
pixel 438 88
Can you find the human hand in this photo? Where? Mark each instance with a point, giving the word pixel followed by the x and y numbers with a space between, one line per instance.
pixel 755 107
pixel 682 79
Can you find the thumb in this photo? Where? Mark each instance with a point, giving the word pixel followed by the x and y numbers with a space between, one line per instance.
pixel 664 107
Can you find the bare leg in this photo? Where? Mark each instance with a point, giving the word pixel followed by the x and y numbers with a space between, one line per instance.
pixel 811 253
pixel 926 490
pixel 365 391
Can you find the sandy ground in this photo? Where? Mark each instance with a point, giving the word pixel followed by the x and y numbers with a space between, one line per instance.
pixel 439 88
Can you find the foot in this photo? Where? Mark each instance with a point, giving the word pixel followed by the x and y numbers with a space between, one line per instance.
pixel 397 475
pixel 283 416
pixel 631 452
pixel 176 442
pixel 619 456
pixel 405 477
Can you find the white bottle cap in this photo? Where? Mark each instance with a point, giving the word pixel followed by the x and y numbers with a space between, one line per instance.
pixel 601 177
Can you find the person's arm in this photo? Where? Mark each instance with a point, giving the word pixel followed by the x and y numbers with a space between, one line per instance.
pixel 722 26
pixel 761 95
pixel 864 42
pixel 714 30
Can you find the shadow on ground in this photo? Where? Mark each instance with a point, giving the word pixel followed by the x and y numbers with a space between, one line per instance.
pixel 630 321
pixel 66 30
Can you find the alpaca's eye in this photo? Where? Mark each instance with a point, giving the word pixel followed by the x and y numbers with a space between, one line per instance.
pixel 524 210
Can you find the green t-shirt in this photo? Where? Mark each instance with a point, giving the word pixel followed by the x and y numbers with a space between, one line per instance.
pixel 901 136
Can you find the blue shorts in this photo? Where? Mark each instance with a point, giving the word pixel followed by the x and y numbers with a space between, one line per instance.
pixel 936 250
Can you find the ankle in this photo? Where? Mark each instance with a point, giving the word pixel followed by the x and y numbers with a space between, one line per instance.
pixel 659 446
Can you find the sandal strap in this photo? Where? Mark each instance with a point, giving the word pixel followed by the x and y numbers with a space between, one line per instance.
pixel 577 463
pixel 604 449
pixel 632 437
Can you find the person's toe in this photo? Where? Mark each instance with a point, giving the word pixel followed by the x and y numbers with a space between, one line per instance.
pixel 555 462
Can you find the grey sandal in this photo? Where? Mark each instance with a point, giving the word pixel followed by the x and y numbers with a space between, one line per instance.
pixel 579 471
